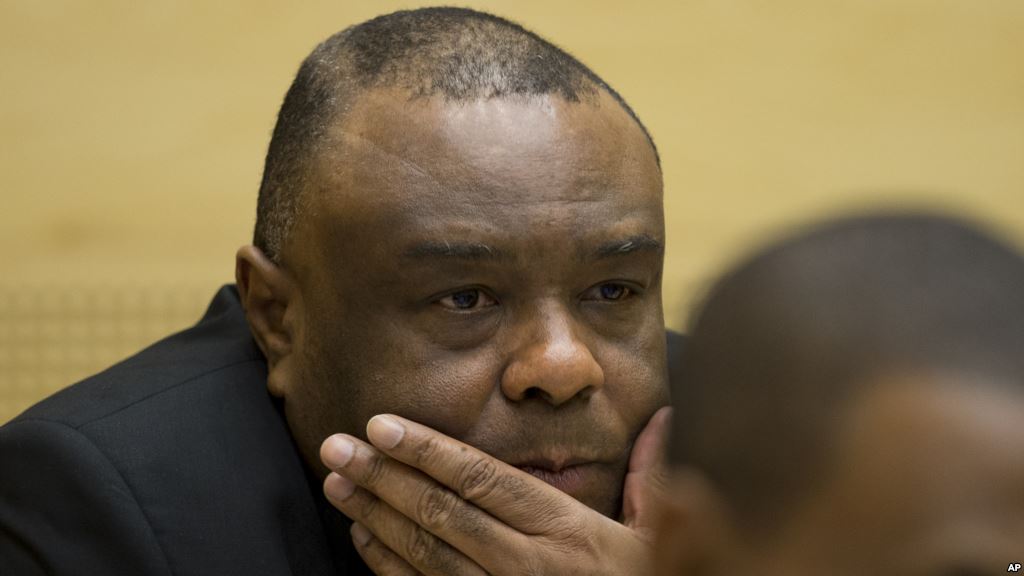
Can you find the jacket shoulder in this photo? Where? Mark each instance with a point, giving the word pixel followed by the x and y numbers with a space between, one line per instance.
pixel 64 503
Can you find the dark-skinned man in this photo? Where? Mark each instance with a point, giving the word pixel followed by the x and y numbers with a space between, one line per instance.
pixel 460 226
pixel 854 404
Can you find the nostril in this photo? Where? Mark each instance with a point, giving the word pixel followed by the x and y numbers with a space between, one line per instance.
pixel 534 392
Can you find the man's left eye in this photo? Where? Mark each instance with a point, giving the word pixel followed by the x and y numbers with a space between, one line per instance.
pixel 608 292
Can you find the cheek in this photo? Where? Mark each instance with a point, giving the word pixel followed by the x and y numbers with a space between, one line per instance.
pixel 635 379
pixel 373 363
pixel 447 394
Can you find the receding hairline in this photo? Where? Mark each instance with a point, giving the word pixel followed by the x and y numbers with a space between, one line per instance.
pixel 384 97
pixel 461 53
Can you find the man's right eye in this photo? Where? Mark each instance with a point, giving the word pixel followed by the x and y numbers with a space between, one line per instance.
pixel 467 300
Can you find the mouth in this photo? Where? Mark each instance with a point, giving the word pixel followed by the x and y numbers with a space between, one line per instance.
pixel 570 474
pixel 592 477
pixel 571 479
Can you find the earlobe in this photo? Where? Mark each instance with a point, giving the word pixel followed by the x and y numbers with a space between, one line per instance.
pixel 270 300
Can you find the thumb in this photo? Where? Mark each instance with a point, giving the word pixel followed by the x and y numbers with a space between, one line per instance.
pixel 646 476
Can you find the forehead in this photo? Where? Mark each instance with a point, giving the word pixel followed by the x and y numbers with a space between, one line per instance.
pixel 397 165
pixel 537 129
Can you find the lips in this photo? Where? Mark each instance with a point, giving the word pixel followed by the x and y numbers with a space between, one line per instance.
pixel 592 477
pixel 569 479
pixel 573 475
pixel 550 463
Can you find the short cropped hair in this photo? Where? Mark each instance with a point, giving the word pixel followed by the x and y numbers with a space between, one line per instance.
pixel 786 338
pixel 456 53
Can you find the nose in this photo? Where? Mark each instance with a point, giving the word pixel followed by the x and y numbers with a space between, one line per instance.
pixel 552 363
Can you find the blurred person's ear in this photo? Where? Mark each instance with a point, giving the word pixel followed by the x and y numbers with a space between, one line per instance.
pixel 695 533
pixel 271 302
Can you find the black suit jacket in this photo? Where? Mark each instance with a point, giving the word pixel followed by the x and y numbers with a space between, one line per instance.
pixel 176 461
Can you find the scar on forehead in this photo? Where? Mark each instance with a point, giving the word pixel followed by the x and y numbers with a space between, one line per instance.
pixel 635 243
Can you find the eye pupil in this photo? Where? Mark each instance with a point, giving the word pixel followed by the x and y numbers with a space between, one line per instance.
pixel 612 291
pixel 465 299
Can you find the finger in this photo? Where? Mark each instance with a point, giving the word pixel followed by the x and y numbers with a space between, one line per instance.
pixel 420 499
pixel 507 493
pixel 377 556
pixel 649 447
pixel 646 474
pixel 417 547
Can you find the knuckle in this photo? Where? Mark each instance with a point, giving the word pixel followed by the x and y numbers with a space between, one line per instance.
pixel 427 451
pixel 423 550
pixel 368 508
pixel 435 507
pixel 478 479
pixel 376 468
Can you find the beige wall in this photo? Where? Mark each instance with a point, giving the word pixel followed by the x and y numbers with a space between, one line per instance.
pixel 133 137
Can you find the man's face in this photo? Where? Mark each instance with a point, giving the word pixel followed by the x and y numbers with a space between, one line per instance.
pixel 491 269
pixel 927 482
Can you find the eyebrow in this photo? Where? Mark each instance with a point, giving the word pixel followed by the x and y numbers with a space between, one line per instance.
pixel 455 250
pixel 636 243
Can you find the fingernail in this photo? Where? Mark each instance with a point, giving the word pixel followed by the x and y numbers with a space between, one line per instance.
pixel 337 451
pixel 360 534
pixel 338 487
pixel 384 431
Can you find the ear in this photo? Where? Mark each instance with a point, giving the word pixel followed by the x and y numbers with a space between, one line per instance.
pixel 694 531
pixel 272 305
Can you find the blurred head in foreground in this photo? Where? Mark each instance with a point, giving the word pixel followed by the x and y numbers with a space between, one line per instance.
pixel 852 402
